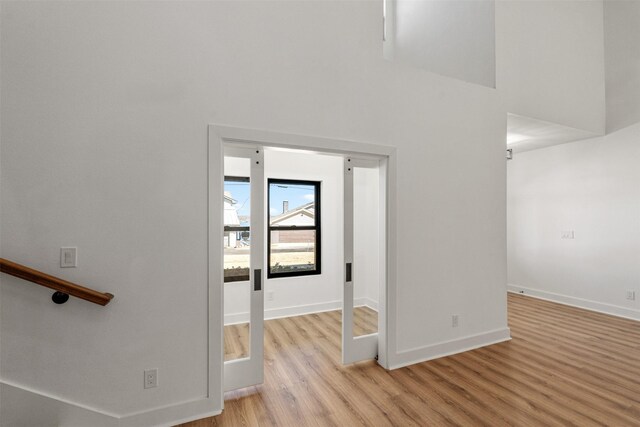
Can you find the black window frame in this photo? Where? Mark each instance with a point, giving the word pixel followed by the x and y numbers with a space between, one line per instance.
pixel 229 228
pixel 317 228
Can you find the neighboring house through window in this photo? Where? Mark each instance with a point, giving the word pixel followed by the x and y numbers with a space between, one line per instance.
pixel 293 237
pixel 237 237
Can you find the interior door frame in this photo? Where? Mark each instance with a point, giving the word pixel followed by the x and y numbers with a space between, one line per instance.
pixel 221 135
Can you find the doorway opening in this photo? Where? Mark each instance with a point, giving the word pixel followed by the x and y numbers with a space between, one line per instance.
pixel 321 268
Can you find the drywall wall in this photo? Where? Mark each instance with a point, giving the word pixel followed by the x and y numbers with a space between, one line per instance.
pixel 589 188
pixel 105 107
pixel 455 39
pixel 550 61
pixel 622 59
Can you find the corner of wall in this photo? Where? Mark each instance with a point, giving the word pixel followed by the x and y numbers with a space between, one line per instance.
pixel 448 348
pixel 599 307
pixel 25 407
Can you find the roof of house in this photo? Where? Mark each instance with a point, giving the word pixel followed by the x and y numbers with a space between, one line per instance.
pixel 306 210
pixel 230 212
pixel 228 198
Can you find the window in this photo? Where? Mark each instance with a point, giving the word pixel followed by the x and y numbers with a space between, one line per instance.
pixel 237 234
pixel 293 236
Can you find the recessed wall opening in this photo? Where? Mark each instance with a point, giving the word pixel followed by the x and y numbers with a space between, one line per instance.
pixel 322 254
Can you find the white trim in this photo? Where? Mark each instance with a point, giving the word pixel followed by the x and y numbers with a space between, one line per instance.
pixel 58 399
pixel 172 414
pixel 194 418
pixel 367 302
pixel 298 310
pixel 218 136
pixel 316 144
pixel 447 348
pixel 215 280
pixel 168 415
pixel 599 307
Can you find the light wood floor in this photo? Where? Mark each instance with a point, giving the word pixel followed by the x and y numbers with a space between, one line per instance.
pixel 564 366
pixel 236 337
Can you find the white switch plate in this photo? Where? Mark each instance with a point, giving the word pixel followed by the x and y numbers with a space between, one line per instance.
pixel 151 378
pixel 68 257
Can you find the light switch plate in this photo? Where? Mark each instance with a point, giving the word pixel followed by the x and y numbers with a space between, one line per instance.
pixel 68 257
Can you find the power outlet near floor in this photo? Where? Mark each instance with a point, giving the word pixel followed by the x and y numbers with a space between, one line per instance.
pixel 455 319
pixel 270 295
pixel 631 295
pixel 151 378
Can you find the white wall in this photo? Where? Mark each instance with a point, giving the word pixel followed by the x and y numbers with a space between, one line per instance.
pixel 452 38
pixel 590 187
pixel 550 61
pixel 105 107
pixel 622 54
pixel 366 241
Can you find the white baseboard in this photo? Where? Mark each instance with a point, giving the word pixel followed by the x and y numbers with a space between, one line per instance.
pixel 299 310
pixel 600 307
pixel 373 305
pixel 25 407
pixel 448 348
pixel 171 415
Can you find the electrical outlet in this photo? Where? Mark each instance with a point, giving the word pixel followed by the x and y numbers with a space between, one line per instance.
pixel 631 295
pixel 68 257
pixel 568 235
pixel 151 378
pixel 454 320
pixel 270 295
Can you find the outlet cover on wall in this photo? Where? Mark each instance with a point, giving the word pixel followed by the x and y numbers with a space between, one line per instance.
pixel 151 378
pixel 631 295
pixel 455 320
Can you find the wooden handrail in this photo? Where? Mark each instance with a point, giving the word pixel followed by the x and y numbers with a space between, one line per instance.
pixel 35 276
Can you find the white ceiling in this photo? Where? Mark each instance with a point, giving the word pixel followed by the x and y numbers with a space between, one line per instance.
pixel 525 133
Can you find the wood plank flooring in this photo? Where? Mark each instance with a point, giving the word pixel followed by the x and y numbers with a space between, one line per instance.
pixel 236 341
pixel 236 337
pixel 564 366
